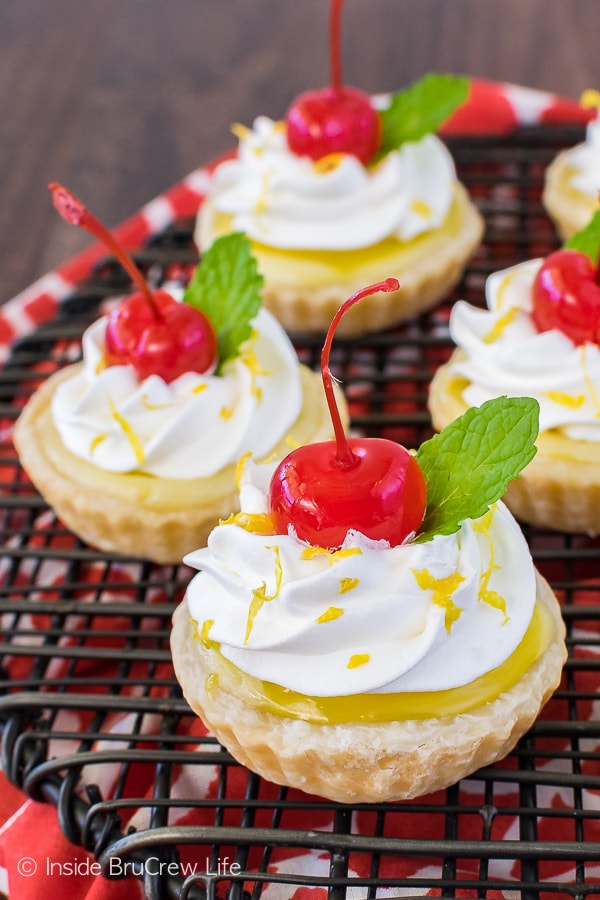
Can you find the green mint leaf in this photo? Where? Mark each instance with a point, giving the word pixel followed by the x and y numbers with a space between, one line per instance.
pixel 226 286
pixel 468 465
pixel 588 239
pixel 420 109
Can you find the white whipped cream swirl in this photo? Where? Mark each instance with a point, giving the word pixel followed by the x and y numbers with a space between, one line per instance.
pixel 369 618
pixel 504 353
pixel 585 159
pixel 190 428
pixel 289 201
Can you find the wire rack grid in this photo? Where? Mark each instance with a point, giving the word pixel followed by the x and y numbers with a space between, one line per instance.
pixel 92 718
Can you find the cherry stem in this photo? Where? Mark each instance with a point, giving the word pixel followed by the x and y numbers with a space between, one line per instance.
pixel 75 213
pixel 335 15
pixel 344 457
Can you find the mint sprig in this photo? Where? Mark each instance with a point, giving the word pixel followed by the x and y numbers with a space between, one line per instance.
pixel 226 287
pixel 468 465
pixel 420 109
pixel 588 239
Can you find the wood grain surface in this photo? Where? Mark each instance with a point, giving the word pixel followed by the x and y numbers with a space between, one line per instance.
pixel 119 99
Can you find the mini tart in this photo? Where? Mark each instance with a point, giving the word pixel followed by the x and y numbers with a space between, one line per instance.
pixel 356 762
pixel 137 514
pixel 304 288
pixel 559 489
pixel 569 208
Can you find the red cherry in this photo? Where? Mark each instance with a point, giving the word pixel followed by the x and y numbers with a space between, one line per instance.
pixel 149 330
pixel 333 121
pixel 566 296
pixel 336 119
pixel 382 496
pixel 180 340
pixel 371 485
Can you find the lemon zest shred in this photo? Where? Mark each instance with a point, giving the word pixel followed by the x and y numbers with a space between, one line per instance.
pixel 255 523
pixel 502 287
pixel 95 442
pixel 128 431
pixel 421 208
pixel 358 659
pixel 492 598
pixel 240 466
pixel 330 614
pixel 260 596
pixel 333 555
pixel 497 330
pixel 240 131
pixel 590 99
pixel 328 163
pixel 442 590
pixel 565 399
pixel 348 584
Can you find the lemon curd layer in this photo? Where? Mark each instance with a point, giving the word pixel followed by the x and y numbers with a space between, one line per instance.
pixel 314 268
pixel 157 493
pixel 553 444
pixel 373 707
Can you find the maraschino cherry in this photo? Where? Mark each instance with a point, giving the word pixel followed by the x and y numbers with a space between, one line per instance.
pixel 566 296
pixel 335 119
pixel 371 485
pixel 149 330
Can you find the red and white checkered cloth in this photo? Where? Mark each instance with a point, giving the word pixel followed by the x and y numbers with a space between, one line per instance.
pixel 34 855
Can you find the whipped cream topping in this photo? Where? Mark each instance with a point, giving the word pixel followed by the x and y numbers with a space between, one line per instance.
pixel 585 159
pixel 190 428
pixel 369 617
pixel 504 353
pixel 336 203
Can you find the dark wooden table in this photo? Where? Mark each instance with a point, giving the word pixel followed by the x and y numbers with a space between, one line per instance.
pixel 119 99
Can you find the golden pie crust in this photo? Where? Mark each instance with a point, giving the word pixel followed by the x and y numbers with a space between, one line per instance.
pixel 303 289
pixel 160 519
pixel 363 763
pixel 559 489
pixel 570 209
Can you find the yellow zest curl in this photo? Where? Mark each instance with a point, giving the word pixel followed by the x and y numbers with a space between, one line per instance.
pixel 260 596
pixel 442 589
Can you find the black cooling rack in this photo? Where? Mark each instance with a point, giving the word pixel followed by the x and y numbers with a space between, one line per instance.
pixel 93 721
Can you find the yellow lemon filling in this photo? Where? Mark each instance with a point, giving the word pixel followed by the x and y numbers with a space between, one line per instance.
pixel 553 443
pixel 279 701
pixel 316 267
pixel 165 494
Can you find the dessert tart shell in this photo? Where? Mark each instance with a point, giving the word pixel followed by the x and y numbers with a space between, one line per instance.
pixel 558 489
pixel 358 762
pixel 137 514
pixel 569 208
pixel 303 289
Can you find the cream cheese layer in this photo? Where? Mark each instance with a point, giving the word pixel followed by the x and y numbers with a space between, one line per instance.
pixel 368 617
pixel 190 428
pixel 504 353
pixel 336 203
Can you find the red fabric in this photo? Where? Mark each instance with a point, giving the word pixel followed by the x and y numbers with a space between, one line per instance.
pixel 30 837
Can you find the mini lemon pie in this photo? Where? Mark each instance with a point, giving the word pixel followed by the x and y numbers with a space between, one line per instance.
pixel 136 447
pixel 371 626
pixel 347 190
pixel 540 335
pixel 572 180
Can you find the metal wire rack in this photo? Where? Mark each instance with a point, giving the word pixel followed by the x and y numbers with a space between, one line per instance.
pixel 92 718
